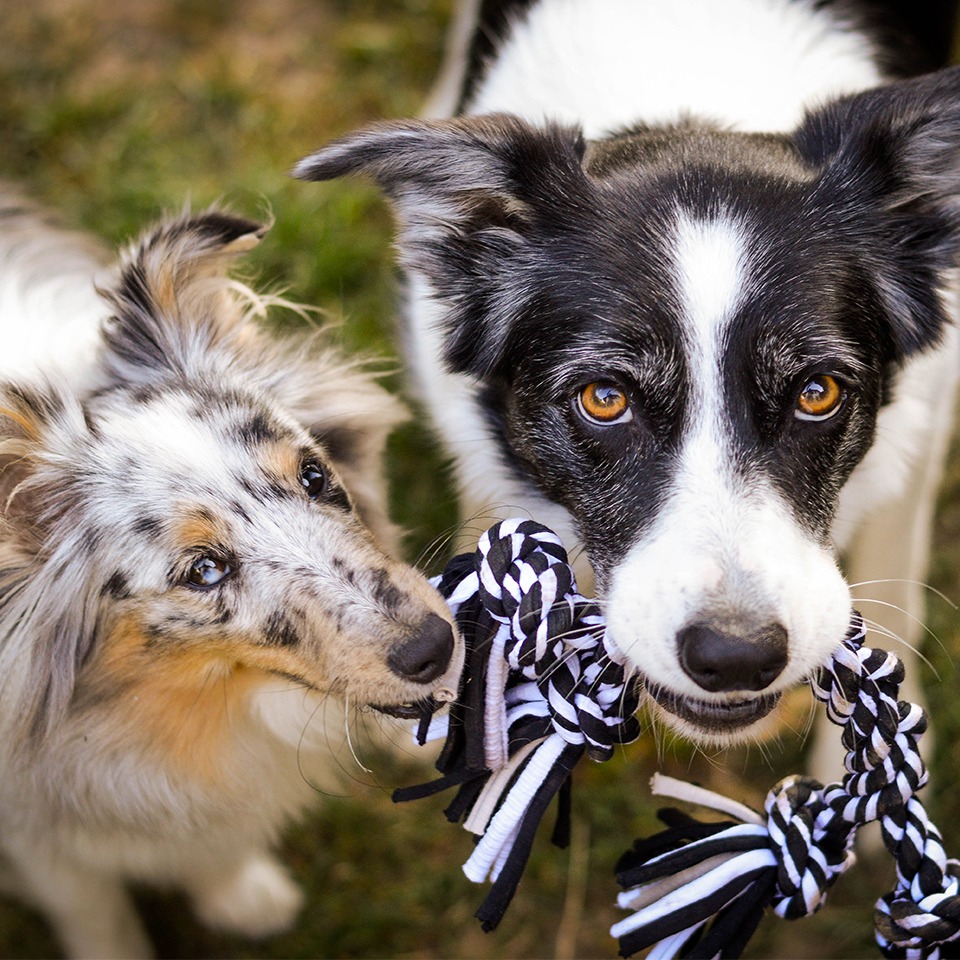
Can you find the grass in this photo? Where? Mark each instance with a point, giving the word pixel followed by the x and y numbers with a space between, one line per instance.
pixel 116 112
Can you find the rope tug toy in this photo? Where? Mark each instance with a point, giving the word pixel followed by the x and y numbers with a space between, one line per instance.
pixel 543 685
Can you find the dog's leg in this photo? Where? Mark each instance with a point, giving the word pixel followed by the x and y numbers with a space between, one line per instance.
pixel 254 897
pixel 91 912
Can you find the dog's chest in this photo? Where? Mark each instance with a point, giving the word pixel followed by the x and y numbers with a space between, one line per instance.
pixel 750 64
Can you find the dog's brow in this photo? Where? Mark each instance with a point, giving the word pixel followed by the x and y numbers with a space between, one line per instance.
pixel 610 359
pixel 711 272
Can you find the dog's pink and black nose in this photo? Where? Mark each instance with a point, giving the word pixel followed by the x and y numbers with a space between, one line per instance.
pixel 723 663
pixel 426 653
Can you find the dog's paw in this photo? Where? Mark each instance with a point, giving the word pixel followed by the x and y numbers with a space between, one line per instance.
pixel 257 900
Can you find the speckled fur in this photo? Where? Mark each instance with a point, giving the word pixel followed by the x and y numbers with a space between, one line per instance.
pixel 151 729
pixel 702 206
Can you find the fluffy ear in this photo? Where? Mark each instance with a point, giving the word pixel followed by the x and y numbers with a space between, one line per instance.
pixel 471 194
pixel 26 415
pixel 171 291
pixel 48 619
pixel 890 157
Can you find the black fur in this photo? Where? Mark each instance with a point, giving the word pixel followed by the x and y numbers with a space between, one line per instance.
pixel 553 259
pixel 117 587
pixel 280 631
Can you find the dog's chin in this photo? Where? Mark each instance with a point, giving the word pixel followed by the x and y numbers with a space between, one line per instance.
pixel 714 722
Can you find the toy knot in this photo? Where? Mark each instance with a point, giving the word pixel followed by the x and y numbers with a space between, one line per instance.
pixel 907 928
pixel 811 851
pixel 542 686
pixel 923 912
pixel 552 636
pixel 700 888
pixel 525 581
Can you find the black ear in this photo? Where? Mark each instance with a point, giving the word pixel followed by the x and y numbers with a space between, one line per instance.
pixel 891 158
pixel 472 196
pixel 171 289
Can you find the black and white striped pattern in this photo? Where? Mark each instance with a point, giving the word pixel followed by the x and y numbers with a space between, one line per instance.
pixel 550 635
pixel 699 889
pixel 541 688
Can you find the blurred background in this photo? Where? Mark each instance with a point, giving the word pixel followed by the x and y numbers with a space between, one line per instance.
pixel 115 112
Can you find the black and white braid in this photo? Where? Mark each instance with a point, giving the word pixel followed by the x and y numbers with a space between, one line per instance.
pixel 540 689
pixel 543 685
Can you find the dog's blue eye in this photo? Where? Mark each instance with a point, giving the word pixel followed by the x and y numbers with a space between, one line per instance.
pixel 314 480
pixel 208 572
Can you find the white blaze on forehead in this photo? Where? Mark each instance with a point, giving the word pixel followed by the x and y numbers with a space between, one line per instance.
pixel 710 273
pixel 723 546
pixel 710 261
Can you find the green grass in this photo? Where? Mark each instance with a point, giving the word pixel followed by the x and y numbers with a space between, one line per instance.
pixel 116 112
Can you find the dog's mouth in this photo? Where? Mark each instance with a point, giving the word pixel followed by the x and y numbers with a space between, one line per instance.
pixel 407 711
pixel 415 710
pixel 714 716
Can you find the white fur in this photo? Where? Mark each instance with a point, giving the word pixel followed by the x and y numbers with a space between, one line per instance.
pixel 606 63
pixel 751 65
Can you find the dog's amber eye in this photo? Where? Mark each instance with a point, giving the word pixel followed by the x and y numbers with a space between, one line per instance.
pixel 314 479
pixel 208 572
pixel 820 399
pixel 604 402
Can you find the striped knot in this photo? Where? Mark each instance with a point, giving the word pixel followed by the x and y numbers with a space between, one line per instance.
pixel 552 637
pixel 923 911
pixel 699 889
pixel 542 685
pixel 860 689
pixel 811 845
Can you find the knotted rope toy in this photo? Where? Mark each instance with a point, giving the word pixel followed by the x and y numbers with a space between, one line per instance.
pixel 543 685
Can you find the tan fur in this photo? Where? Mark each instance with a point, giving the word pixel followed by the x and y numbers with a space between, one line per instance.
pixel 194 529
pixel 177 703
pixel 155 724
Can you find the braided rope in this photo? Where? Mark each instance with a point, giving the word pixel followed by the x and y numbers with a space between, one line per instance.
pixel 543 685
pixel 806 840
pixel 548 635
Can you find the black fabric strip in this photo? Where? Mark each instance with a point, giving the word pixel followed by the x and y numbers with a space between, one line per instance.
pixel 688 915
pixel 733 927
pixel 688 856
pixel 494 905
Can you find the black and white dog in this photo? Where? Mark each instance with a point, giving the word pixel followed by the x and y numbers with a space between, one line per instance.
pixel 679 286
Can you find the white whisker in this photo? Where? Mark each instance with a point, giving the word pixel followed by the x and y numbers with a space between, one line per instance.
pixel 346 729
pixel 916 583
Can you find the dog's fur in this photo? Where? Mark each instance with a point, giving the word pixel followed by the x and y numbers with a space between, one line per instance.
pixel 705 207
pixel 189 565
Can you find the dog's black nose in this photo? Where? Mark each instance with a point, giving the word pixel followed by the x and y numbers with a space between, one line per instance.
pixel 426 653
pixel 721 663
